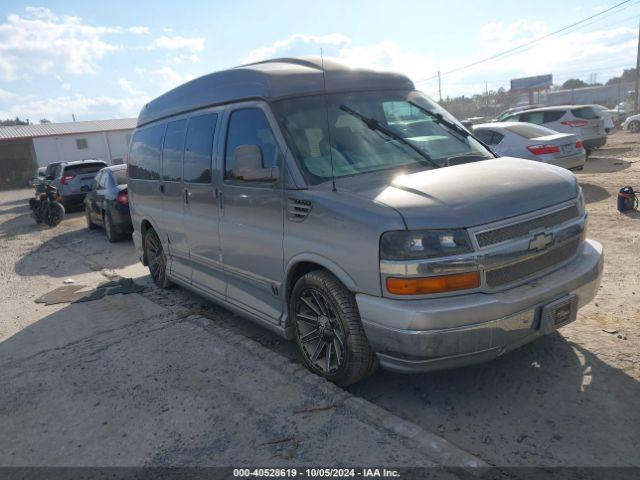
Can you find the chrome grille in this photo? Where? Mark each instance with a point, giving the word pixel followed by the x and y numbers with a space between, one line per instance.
pixel 521 229
pixel 511 273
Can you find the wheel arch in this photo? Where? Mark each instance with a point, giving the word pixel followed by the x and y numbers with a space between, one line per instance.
pixel 145 225
pixel 305 263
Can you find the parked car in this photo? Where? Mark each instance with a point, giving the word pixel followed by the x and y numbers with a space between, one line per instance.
pixel 526 140
pixel 73 180
pixel 510 111
pixel 107 203
pixel 327 212
pixel 581 120
pixel 632 123
pixel 38 178
pixel 605 114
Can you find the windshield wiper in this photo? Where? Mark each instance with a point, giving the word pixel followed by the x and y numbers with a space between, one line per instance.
pixel 439 118
pixel 374 124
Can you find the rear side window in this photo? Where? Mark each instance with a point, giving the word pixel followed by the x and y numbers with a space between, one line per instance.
pixel 144 159
pixel 120 176
pixel 530 131
pixel 532 117
pixel 172 150
pixel 553 115
pixel 588 113
pixel 250 127
pixel 198 148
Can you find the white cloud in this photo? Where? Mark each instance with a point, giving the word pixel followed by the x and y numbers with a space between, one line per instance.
pixel 563 55
pixel 573 51
pixel 178 42
pixel 6 95
pixel 166 76
pixel 139 30
pixel 59 109
pixel 128 87
pixel 262 53
pixel 386 55
pixel 40 41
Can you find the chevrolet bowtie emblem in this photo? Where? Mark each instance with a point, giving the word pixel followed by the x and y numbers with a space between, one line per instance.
pixel 540 241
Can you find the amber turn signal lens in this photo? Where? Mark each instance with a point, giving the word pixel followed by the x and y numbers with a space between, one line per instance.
pixel 439 284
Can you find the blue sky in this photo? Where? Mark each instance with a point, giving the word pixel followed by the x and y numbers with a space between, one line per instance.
pixel 105 59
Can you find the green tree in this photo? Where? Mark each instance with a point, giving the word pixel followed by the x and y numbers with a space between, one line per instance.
pixel 11 123
pixel 574 83
pixel 629 75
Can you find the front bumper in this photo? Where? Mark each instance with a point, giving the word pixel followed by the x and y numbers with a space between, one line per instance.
pixel 433 334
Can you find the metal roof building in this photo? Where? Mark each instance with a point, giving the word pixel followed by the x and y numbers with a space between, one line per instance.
pixel 68 128
pixel 24 148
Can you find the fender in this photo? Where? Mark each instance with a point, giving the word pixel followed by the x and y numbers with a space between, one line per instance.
pixel 336 270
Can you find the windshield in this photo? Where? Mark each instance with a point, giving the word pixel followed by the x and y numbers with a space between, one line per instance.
pixel 357 140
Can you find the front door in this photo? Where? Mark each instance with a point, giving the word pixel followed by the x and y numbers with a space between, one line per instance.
pixel 201 207
pixel 251 218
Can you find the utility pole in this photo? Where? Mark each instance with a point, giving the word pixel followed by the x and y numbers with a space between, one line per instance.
pixel 486 93
pixel 635 96
pixel 440 82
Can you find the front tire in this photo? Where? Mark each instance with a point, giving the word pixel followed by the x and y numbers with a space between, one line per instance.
pixel 87 217
pixel 156 259
pixel 634 127
pixel 328 330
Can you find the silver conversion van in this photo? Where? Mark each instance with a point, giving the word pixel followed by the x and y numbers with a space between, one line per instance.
pixel 348 211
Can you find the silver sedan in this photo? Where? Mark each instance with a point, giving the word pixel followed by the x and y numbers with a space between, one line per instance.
pixel 533 142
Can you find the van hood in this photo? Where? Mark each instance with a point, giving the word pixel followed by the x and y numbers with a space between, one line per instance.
pixel 473 193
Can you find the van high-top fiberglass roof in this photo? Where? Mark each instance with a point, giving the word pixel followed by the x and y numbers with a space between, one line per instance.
pixel 269 80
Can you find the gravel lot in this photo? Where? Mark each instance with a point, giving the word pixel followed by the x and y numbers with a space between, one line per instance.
pixel 571 399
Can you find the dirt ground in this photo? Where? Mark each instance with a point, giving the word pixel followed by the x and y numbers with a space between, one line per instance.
pixel 571 399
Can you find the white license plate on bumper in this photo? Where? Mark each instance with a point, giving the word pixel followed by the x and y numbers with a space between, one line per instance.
pixel 558 313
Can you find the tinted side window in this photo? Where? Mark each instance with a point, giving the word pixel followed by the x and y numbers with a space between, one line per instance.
pixel 144 159
pixel 103 181
pixel 588 113
pixel 198 148
pixel 484 135
pixel 532 117
pixel 172 150
pixel 553 116
pixel 250 127
pixel 496 138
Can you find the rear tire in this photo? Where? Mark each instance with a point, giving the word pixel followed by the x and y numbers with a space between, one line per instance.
pixel 112 235
pixel 156 259
pixel 328 330
pixel 55 215
pixel 634 127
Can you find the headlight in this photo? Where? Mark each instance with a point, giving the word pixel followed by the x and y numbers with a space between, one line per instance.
pixel 417 244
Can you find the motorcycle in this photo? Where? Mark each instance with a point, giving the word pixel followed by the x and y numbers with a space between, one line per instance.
pixel 46 206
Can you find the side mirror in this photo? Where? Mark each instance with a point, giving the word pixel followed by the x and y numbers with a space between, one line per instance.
pixel 248 165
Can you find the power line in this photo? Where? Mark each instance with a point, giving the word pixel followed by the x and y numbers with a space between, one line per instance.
pixel 531 42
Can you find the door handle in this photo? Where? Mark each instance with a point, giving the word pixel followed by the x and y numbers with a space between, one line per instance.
pixel 219 197
pixel 161 188
pixel 187 194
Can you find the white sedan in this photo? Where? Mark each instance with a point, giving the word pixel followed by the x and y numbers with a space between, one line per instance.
pixel 632 123
pixel 533 142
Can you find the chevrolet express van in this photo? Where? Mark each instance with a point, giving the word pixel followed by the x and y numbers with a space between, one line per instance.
pixel 348 211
